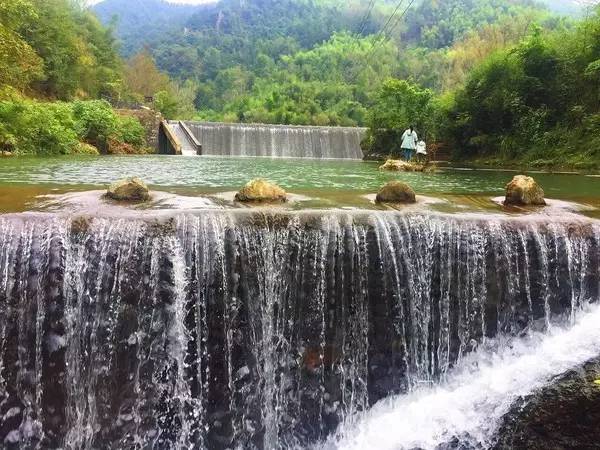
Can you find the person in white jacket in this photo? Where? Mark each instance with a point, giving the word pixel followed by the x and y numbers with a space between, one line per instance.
pixel 409 143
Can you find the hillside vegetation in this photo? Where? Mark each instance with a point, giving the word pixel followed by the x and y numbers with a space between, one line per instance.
pixel 322 61
pixel 60 70
pixel 138 23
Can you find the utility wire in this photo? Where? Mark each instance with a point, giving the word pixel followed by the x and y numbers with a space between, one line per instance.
pixel 384 32
pixel 391 30
pixel 366 17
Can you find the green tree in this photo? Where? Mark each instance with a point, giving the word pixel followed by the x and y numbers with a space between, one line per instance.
pixel 142 77
pixel 399 105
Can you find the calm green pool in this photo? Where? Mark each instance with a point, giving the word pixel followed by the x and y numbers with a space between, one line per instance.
pixel 338 179
pixel 295 174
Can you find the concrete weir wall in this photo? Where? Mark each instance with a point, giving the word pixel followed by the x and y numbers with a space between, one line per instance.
pixel 223 139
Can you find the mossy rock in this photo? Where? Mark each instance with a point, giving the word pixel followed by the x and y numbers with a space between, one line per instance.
pixel 396 165
pixel 396 192
pixel 261 191
pixel 129 189
pixel 524 191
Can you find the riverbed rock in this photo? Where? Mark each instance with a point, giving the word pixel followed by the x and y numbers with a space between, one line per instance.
pixel 397 165
pixel 129 189
pixel 261 191
pixel 564 415
pixel 396 192
pixel 524 191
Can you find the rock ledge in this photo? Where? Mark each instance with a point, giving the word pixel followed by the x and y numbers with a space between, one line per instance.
pixel 524 191
pixel 261 191
pixel 396 165
pixel 129 189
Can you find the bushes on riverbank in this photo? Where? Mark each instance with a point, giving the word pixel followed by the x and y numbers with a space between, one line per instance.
pixel 535 103
pixel 29 127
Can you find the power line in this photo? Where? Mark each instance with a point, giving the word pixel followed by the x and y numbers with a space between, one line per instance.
pixel 366 17
pixel 389 35
pixel 383 31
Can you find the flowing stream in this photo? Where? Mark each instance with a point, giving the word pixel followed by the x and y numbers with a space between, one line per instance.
pixel 265 330
pixel 283 141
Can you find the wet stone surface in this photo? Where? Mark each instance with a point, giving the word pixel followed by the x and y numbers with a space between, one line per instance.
pixel 564 415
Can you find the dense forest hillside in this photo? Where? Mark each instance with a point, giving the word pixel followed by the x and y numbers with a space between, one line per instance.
pixel 566 6
pixel 320 61
pixel 490 79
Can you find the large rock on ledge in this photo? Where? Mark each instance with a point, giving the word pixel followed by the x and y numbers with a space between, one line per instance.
pixel 261 191
pixel 524 191
pixel 129 189
pixel 396 192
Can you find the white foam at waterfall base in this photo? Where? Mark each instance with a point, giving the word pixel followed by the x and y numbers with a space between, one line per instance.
pixel 471 403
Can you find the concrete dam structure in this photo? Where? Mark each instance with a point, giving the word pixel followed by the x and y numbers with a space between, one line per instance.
pixel 284 141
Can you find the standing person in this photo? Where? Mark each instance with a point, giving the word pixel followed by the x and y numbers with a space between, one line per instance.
pixel 409 143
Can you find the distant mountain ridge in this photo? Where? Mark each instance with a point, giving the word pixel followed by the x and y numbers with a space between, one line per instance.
pixel 140 22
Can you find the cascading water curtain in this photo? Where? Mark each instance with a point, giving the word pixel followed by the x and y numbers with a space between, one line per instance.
pixel 246 330
pixel 279 141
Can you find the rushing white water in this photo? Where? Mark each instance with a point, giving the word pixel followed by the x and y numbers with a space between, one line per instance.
pixel 470 404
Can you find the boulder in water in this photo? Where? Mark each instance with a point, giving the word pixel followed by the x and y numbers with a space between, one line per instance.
pixel 396 192
pixel 396 165
pixel 261 191
pixel 524 191
pixel 129 189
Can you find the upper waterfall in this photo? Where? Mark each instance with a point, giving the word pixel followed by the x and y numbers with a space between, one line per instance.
pixel 278 140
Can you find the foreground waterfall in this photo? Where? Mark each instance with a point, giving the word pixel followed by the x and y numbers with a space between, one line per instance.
pixel 278 140
pixel 248 330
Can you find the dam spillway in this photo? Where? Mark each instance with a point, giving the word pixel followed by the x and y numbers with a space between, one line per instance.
pixel 259 330
pixel 285 141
